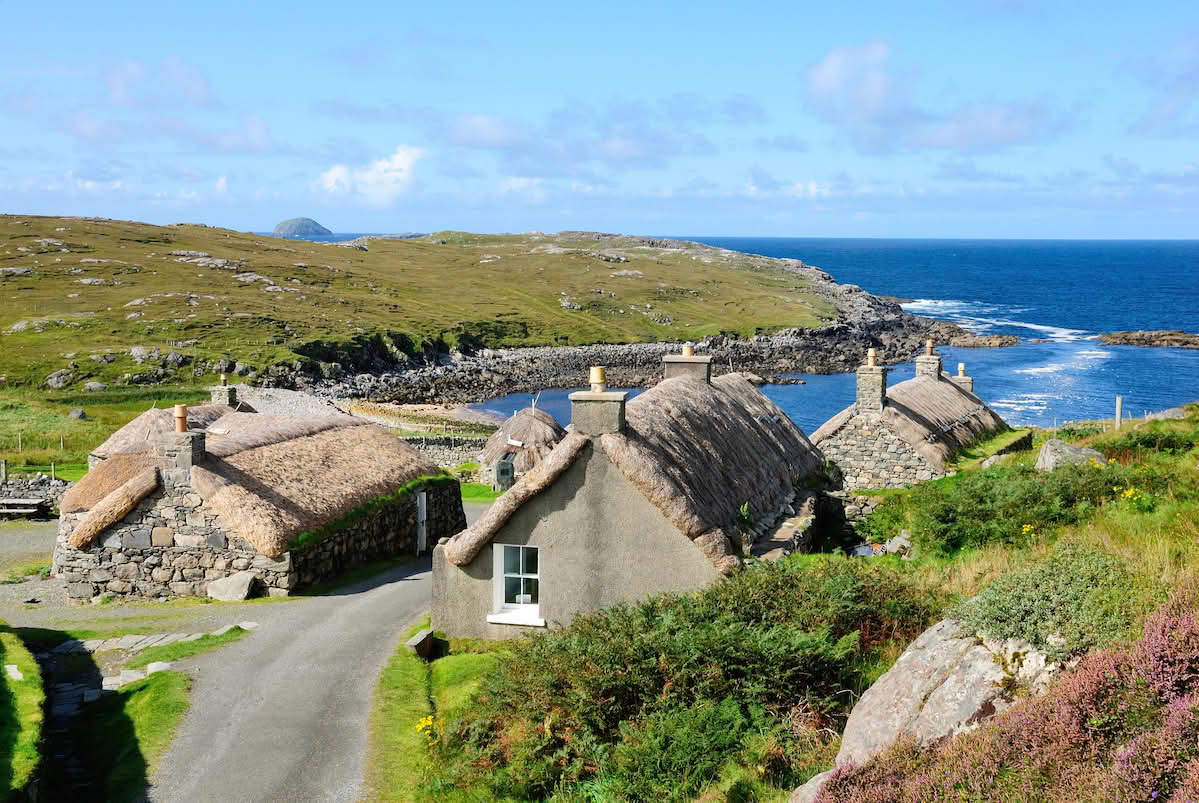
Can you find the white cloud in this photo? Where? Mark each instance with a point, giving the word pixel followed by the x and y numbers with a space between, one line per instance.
pixel 855 88
pixel 222 185
pixel 531 189
pixel 380 182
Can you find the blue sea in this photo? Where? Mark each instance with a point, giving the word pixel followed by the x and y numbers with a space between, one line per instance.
pixel 1063 292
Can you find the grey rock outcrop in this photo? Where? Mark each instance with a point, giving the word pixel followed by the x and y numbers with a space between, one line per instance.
pixel 233 588
pixel 946 682
pixel 301 227
pixel 1057 452
pixel 60 379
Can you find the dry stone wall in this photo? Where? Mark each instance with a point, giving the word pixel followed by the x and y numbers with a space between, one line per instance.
pixel 171 545
pixel 870 455
pixel 35 487
pixel 389 531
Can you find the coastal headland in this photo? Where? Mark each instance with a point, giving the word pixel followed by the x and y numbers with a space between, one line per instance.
pixel 447 317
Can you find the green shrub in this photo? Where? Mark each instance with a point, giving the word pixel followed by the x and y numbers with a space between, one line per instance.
pixel 671 755
pixel 978 508
pixel 1156 440
pixel 586 708
pixel 1075 432
pixel 1075 600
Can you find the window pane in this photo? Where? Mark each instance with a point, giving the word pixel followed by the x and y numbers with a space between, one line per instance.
pixel 511 560
pixel 530 590
pixel 511 590
pixel 529 554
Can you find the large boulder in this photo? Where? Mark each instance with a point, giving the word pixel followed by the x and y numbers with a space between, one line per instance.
pixel 1056 453
pixel 946 682
pixel 233 588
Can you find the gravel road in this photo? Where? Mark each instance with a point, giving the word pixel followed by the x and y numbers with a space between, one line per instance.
pixel 282 715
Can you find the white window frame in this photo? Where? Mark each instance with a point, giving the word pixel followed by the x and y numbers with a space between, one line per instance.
pixel 508 613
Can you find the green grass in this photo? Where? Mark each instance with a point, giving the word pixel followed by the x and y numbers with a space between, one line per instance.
pixel 71 472
pixel 973 455
pixel 185 649
pixel 21 572
pixel 400 763
pixel 122 736
pixel 353 306
pixel 398 756
pixel 20 713
pixel 476 492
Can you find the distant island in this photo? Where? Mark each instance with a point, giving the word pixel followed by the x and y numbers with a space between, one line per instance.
pixel 301 227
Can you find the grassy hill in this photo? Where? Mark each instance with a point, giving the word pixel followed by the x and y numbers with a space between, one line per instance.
pixel 83 292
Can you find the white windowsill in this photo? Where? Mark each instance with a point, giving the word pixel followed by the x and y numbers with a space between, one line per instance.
pixel 517 616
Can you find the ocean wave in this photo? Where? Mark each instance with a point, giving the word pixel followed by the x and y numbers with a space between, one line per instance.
pixel 1052 368
pixel 982 318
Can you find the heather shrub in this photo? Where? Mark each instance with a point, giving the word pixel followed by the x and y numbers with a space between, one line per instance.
pixel 1073 601
pixel 657 696
pixel 1154 762
pixel 1121 725
pixel 1167 657
pixel 1137 442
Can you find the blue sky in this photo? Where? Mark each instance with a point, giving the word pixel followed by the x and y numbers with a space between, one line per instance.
pixel 962 118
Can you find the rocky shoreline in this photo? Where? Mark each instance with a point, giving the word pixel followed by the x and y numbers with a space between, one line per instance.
pixel 1161 338
pixel 491 373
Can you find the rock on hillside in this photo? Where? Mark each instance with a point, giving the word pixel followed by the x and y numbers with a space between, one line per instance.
pixel 1057 452
pixel 301 227
pixel 945 683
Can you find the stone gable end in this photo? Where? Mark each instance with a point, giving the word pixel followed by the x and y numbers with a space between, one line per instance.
pixel 871 455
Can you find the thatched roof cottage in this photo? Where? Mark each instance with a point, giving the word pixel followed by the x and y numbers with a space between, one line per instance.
pixel 641 496
pixel 893 437
pixel 293 500
pixel 527 438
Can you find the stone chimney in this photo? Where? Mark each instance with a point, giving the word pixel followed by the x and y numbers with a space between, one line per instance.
pixel 598 411
pixel 687 364
pixel 872 385
pixel 224 393
pixel 180 450
pixel 964 382
pixel 928 364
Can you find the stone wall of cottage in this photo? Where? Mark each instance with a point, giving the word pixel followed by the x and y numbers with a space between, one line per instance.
pixel 387 532
pixel 172 545
pixel 870 455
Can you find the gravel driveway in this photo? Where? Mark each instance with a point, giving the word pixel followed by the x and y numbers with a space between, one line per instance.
pixel 282 715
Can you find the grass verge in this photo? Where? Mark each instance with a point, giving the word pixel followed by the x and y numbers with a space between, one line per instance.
pixel 478 492
pixel 122 736
pixel 400 763
pixel 185 649
pixel 20 713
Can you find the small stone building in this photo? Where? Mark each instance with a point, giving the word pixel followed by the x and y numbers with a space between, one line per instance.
pixel 641 497
pixel 293 500
pixel 526 439
pixel 893 437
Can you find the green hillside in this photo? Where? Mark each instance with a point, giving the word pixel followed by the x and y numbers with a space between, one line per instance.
pixel 83 292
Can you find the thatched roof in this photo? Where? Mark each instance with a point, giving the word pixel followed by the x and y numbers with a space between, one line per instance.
pixel 536 430
pixel 115 506
pixel 697 451
pixel 138 434
pixel 933 416
pixel 102 480
pixel 269 478
pixel 270 494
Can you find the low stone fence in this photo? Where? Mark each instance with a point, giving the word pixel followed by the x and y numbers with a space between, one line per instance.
pixel 447 450
pixel 1023 444
pixel 22 486
pixel 171 546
